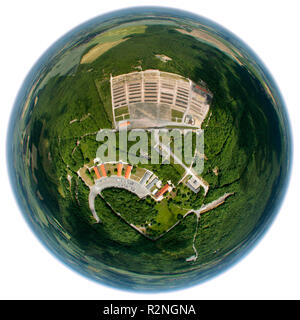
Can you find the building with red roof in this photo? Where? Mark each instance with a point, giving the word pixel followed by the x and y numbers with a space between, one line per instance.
pixel 128 171
pixel 119 168
pixel 97 172
pixel 103 171
pixel 162 191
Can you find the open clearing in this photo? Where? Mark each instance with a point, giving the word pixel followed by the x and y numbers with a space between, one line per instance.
pixel 108 40
pixel 204 36
pixel 98 50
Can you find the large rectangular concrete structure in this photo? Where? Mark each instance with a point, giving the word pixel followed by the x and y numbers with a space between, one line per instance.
pixel 154 94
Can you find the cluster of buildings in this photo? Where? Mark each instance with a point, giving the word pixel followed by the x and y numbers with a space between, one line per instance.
pixel 101 168
pixel 148 184
pixel 149 99
pixel 156 188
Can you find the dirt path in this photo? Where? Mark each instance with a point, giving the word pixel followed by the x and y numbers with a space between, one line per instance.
pixel 195 256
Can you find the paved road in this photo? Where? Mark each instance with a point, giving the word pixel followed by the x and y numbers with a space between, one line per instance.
pixel 188 170
pixel 212 205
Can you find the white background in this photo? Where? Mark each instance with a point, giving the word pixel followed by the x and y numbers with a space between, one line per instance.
pixel 270 271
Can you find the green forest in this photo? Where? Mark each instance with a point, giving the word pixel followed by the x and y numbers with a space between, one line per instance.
pixel 241 140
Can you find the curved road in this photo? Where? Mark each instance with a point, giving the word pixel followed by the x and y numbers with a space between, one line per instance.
pixel 114 182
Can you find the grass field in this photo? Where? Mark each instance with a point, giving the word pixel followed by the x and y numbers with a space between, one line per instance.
pixel 98 50
pixel 108 40
pixel 167 215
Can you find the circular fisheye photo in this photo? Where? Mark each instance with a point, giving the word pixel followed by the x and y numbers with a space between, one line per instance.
pixel 149 149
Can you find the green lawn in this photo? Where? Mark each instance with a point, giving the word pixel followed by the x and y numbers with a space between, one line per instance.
pixel 167 215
